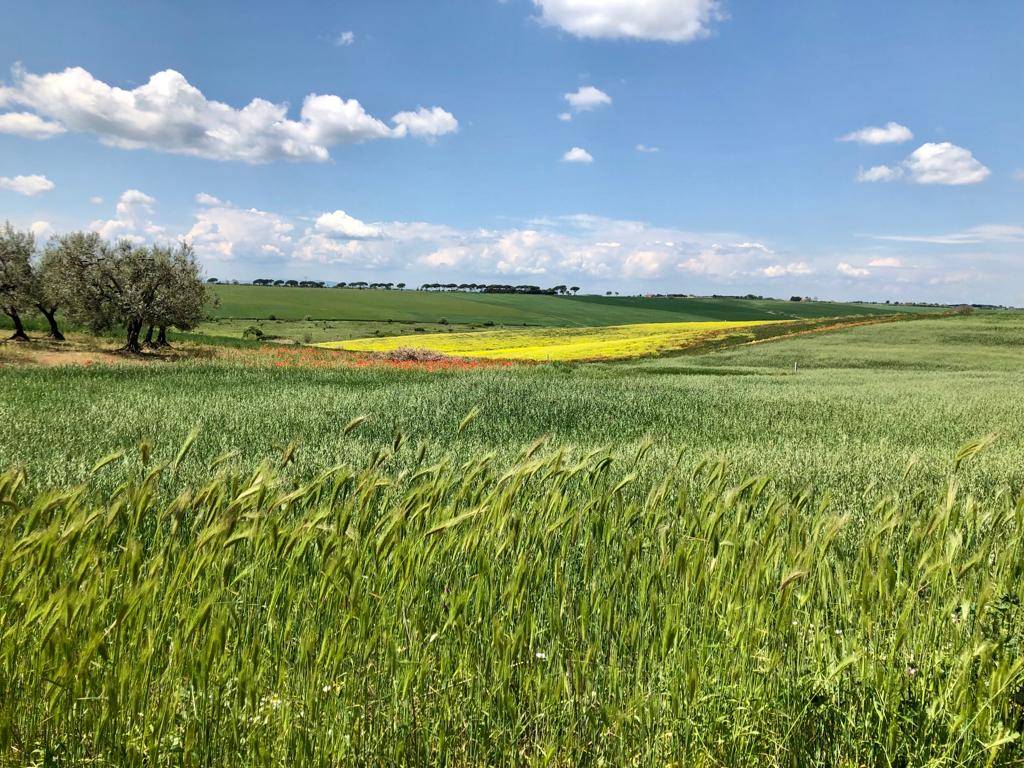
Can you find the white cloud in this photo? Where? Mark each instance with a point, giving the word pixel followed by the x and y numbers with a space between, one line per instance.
pixel 644 263
pixel 646 149
pixel 754 247
pixel 795 268
pixel 577 155
pixel 323 249
pixel 449 256
pixel 134 200
pixel 132 221
pixel 27 185
pixel 930 163
pixel 851 271
pixel 723 261
pixel 879 173
pixel 584 249
pixel 225 233
pixel 204 199
pixel 169 114
pixel 944 163
pixel 580 246
pixel 345 39
pixel 587 98
pixel 28 126
pixel 426 123
pixel 41 229
pixel 666 20
pixel 565 117
pixel 340 224
pixel 986 233
pixel 886 262
pixel 890 133
pixel 96 200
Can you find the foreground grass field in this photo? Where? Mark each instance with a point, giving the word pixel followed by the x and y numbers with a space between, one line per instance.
pixel 794 553
pixel 555 613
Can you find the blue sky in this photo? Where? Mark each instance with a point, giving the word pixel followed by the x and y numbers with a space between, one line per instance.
pixel 435 147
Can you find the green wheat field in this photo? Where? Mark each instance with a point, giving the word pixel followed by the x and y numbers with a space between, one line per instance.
pixel 803 552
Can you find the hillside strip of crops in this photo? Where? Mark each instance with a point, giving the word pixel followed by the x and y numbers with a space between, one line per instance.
pixel 618 342
pixel 254 302
pixel 731 308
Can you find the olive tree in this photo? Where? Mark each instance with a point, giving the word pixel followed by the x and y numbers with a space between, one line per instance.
pixel 106 286
pixel 183 296
pixel 16 281
pixel 51 290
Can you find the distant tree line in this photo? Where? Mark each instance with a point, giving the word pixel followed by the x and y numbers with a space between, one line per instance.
pixel 266 281
pixel 269 282
pixel 557 290
pixel 101 286
pixel 499 288
pixel 361 285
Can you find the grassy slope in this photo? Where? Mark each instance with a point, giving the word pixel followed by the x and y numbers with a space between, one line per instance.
pixel 244 301
pixel 864 401
pixel 744 309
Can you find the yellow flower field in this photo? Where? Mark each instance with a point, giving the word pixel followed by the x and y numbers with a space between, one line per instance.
pixel 548 344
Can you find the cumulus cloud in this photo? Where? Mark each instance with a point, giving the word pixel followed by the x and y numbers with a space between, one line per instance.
pixel 890 133
pixel 169 114
pixel 585 249
pixel 426 123
pixel 41 229
pixel 879 173
pixel 787 270
pixel 577 155
pixel 28 126
pixel 223 232
pixel 568 247
pixel 851 271
pixel 665 20
pixel 30 186
pixel 132 220
pixel 340 224
pixel 96 200
pixel 587 98
pixel 345 39
pixel 942 163
pixel 204 199
pixel 565 116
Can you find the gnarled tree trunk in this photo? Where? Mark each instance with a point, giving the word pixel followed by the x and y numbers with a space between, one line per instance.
pixel 51 317
pixel 19 329
pixel 149 337
pixel 132 344
pixel 161 339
